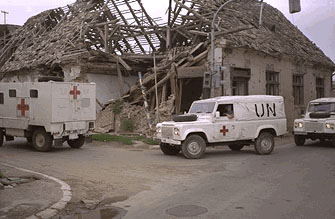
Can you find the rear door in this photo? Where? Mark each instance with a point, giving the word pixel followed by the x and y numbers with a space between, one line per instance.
pixel 73 102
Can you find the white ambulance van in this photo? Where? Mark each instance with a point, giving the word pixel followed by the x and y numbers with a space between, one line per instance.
pixel 236 121
pixel 47 113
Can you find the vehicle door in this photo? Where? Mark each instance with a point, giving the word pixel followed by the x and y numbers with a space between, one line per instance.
pixel 224 128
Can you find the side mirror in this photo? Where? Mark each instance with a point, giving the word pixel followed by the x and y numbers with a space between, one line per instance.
pixel 217 114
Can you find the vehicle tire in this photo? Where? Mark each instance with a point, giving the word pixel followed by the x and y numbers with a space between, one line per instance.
pixel 236 147
pixel 42 141
pixel 184 118
pixel 193 147
pixel 1 137
pixel 167 149
pixel 265 143
pixel 299 140
pixel 76 143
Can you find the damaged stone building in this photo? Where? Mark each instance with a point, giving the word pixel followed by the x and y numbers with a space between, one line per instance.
pixel 109 41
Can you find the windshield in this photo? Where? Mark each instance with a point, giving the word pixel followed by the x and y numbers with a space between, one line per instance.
pixel 321 107
pixel 202 107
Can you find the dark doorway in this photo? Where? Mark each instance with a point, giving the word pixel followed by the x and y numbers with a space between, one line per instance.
pixel 192 90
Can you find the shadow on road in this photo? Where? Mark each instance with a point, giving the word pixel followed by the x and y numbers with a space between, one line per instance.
pixel 322 144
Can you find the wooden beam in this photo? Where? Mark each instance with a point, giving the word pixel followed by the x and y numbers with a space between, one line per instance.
pixel 173 79
pixel 125 21
pixel 121 81
pixel 199 16
pixel 106 39
pixel 139 23
pixel 201 33
pixel 159 84
pixel 196 59
pixel 180 95
pixel 191 72
pixel 163 93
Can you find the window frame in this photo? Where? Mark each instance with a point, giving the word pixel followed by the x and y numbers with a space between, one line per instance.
pixel 272 83
pixel 320 87
pixel 298 89
pixel 10 91
pixel 2 98
pixel 30 93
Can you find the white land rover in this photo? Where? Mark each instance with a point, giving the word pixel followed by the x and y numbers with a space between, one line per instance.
pixel 318 122
pixel 235 121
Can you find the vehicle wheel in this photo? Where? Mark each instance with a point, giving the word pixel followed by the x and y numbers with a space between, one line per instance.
pixel 42 140
pixel 299 140
pixel 167 149
pixel 193 147
pixel 77 143
pixel 235 147
pixel 265 143
pixel 1 137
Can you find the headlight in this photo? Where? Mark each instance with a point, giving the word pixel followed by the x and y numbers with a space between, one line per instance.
pixel 330 125
pixel 176 131
pixel 298 125
pixel 159 129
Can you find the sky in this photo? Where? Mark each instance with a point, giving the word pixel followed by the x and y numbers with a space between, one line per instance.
pixel 316 19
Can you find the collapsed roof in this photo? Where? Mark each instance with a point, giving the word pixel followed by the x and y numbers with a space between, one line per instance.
pixel 122 30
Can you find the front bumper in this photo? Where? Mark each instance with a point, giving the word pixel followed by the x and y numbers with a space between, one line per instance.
pixel 314 135
pixel 170 141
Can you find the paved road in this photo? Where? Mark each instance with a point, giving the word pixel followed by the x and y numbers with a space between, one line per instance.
pixel 292 182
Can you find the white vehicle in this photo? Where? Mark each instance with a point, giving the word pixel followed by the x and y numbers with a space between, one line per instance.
pixel 47 112
pixel 318 122
pixel 235 121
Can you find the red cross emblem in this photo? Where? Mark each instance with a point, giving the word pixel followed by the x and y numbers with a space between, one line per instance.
pixel 23 107
pixel 224 130
pixel 75 92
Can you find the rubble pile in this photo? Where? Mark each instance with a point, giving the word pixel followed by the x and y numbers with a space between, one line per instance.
pixel 109 120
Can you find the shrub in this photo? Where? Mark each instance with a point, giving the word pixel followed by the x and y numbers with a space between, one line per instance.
pixel 117 107
pixel 127 125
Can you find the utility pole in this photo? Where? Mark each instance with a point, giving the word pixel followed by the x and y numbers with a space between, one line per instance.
pixel 4 21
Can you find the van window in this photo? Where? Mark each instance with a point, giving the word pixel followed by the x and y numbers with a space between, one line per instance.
pixel 225 109
pixel 34 93
pixel 1 98
pixel 12 93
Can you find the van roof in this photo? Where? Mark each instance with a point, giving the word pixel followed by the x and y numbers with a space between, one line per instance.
pixel 328 99
pixel 250 98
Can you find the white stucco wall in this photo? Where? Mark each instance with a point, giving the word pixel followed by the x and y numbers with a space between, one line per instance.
pixel 108 85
